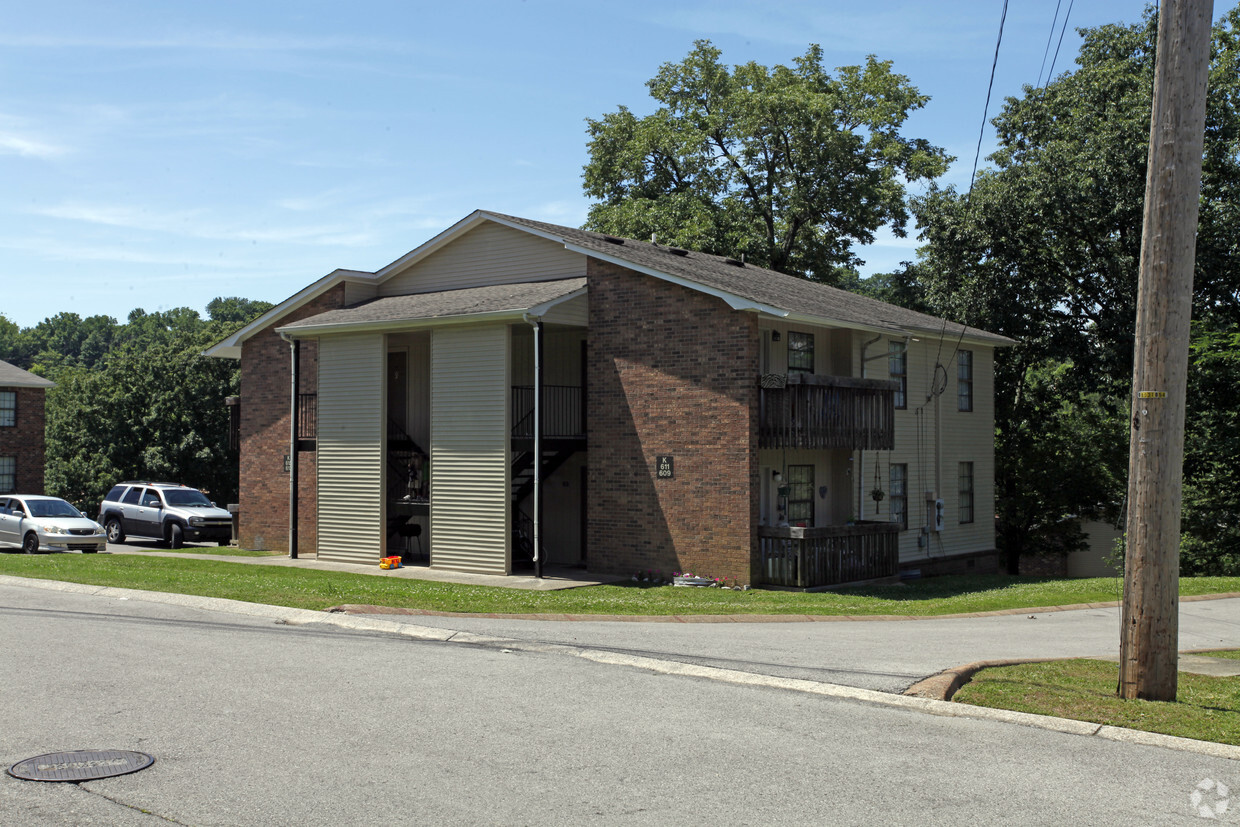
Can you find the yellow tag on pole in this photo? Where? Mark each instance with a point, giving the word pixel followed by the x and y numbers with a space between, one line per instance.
pixel 1151 394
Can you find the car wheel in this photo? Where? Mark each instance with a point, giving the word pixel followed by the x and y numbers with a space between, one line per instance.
pixel 115 533
pixel 176 537
pixel 223 542
pixel 30 544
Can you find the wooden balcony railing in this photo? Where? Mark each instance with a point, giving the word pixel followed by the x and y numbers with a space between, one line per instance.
pixel 307 416
pixel 563 412
pixel 828 412
pixel 807 558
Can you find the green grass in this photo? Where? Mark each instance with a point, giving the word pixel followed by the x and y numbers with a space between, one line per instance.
pixel 223 551
pixel 309 589
pixel 1206 708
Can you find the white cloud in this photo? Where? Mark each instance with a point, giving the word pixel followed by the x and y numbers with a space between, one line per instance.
pixel 11 144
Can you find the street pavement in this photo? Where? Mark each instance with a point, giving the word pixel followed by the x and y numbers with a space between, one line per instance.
pixel 256 716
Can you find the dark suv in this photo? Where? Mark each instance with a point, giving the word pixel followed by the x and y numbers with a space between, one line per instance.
pixel 164 511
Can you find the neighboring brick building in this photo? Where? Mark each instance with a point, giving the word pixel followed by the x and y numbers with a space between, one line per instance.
pixel 697 414
pixel 22 423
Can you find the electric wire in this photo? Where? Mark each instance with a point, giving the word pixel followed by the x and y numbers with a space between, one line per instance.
pixel 1063 29
pixel 1049 37
pixel 986 109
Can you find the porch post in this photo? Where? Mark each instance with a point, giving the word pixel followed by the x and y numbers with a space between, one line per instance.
pixel 295 385
pixel 538 453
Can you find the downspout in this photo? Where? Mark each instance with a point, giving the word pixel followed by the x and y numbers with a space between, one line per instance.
pixel 861 452
pixel 536 323
pixel 295 385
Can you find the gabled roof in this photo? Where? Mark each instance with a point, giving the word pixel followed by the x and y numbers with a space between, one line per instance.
pixel 11 376
pixel 494 301
pixel 742 286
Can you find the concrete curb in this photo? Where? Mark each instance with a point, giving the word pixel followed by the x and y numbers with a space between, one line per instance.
pixel 929 705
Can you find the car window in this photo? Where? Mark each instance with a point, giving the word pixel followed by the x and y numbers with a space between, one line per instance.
pixel 115 494
pixel 150 499
pixel 133 496
pixel 185 496
pixel 52 508
pixel 15 506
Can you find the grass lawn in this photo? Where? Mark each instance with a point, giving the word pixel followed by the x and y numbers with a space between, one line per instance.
pixel 1206 708
pixel 224 551
pixel 308 589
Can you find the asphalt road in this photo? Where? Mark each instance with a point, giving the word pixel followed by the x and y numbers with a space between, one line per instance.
pixel 259 722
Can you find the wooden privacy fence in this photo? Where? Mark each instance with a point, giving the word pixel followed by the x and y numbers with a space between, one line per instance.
pixel 807 558
pixel 828 412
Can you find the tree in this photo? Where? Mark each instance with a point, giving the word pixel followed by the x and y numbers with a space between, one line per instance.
pixel 788 166
pixel 1046 250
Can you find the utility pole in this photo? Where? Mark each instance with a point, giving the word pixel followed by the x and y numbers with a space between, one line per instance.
pixel 1148 657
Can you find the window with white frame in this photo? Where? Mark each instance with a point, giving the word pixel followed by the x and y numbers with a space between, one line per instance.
pixel 8 409
pixel 8 475
pixel 899 494
pixel 966 492
pixel 897 368
pixel 964 380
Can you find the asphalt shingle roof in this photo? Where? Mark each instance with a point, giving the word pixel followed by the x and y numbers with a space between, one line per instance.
pixel 496 298
pixel 11 376
pixel 768 287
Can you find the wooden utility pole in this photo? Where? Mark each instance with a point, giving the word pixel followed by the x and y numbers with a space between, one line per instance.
pixel 1148 656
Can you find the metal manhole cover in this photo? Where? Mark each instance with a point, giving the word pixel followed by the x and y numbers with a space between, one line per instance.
pixel 81 765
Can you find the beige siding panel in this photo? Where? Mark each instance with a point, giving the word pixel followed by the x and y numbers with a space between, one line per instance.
pixel 488 254
pixel 575 311
pixel 350 448
pixel 1094 561
pixel 469 449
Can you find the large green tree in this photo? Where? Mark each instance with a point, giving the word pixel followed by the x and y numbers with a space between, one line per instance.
pixel 135 400
pixel 1046 249
pixel 790 166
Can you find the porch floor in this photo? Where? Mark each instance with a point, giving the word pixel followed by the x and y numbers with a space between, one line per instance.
pixel 554 577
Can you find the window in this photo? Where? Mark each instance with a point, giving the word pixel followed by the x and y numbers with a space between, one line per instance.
pixel 966 492
pixel 800 352
pixel 964 380
pixel 899 494
pixel 897 367
pixel 8 409
pixel 133 496
pixel 8 475
pixel 801 495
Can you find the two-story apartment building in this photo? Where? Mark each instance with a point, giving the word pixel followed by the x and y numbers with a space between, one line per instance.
pixel 22 424
pixel 516 389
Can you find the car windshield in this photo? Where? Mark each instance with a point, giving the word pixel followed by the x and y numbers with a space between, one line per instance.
pixel 51 508
pixel 185 496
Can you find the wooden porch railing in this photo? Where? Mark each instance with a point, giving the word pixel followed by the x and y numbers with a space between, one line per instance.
pixel 828 412
pixel 807 558
pixel 307 415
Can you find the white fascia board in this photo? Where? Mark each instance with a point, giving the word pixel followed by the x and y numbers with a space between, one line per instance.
pixel 731 299
pixel 540 310
pixel 399 326
pixel 827 321
pixel 230 348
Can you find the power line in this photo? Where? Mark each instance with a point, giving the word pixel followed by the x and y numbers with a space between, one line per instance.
pixel 1049 37
pixel 989 89
pixel 1060 43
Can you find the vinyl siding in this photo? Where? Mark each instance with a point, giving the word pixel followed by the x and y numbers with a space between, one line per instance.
pixel 350 448
pixel 488 254
pixel 469 449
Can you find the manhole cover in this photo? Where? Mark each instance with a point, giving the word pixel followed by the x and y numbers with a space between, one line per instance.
pixel 81 765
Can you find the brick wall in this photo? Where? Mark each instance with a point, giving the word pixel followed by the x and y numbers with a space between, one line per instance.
pixel 265 391
pixel 671 371
pixel 24 441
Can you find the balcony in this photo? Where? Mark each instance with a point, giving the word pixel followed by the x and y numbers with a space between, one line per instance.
pixel 563 413
pixel 809 558
pixel 828 412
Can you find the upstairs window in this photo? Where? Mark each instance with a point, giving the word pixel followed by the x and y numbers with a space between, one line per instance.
pixel 8 409
pixel 800 352
pixel 964 380
pixel 897 368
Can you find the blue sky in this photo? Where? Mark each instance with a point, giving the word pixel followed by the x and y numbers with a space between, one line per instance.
pixel 159 153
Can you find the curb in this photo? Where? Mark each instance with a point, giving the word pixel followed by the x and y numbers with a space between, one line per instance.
pixel 929 705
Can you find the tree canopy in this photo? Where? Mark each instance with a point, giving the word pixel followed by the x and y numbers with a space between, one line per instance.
pixel 134 400
pixel 1046 250
pixel 788 166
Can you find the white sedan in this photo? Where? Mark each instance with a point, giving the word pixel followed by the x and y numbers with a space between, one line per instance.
pixel 47 524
